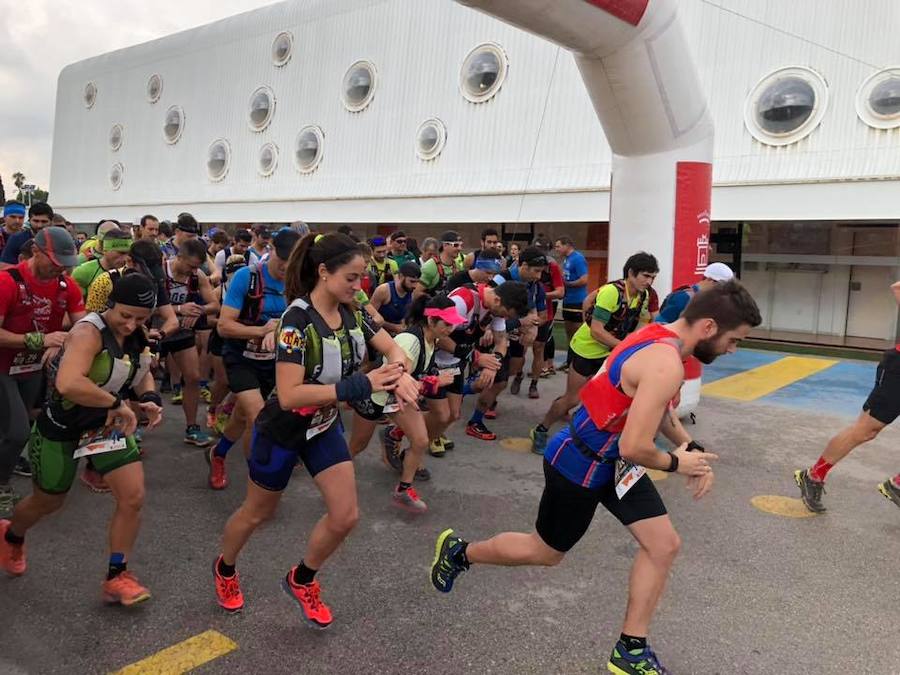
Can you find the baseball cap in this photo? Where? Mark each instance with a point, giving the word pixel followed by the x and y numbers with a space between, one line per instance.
pixel 411 270
pixel 284 243
pixel 450 236
pixel 56 243
pixel 718 272
pixel 447 314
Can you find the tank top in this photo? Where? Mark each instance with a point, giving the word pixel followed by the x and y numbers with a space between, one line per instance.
pixel 394 311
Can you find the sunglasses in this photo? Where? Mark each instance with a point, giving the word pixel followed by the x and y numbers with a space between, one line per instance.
pixel 399 241
pixel 454 244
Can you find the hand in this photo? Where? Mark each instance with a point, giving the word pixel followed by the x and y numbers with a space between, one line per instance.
pixel 49 355
pixel 701 485
pixel 191 309
pixel 270 327
pixel 268 342
pixel 407 391
pixel 153 413
pixel 488 338
pixel 694 464
pixel 189 321
pixel 122 419
pixel 488 362
pixel 55 339
pixel 485 379
pixel 385 378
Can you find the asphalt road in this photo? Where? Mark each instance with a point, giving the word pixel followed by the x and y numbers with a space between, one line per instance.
pixel 751 592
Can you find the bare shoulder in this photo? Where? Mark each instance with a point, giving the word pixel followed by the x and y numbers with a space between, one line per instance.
pixel 657 363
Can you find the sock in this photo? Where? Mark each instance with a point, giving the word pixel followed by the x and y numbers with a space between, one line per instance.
pixel 117 565
pixel 176 387
pixel 396 433
pixel 223 446
pixel 895 480
pixel 541 427
pixel 223 569
pixel 477 416
pixel 820 470
pixel 402 487
pixel 633 643
pixel 13 539
pixel 534 382
pixel 204 383
pixel 460 556
pixel 303 575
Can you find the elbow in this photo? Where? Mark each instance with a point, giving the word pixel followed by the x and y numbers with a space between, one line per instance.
pixel 627 451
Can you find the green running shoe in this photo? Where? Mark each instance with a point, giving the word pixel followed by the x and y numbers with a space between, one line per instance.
pixel 890 491
pixel 636 662
pixel 446 567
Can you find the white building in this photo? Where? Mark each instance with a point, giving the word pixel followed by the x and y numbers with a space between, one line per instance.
pixel 423 113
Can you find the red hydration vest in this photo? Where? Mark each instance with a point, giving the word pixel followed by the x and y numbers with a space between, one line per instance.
pixel 605 403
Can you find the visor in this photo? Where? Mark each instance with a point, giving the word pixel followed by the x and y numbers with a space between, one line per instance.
pixel 123 245
pixel 447 314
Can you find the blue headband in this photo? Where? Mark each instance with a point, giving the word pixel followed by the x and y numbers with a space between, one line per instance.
pixel 488 264
pixel 14 210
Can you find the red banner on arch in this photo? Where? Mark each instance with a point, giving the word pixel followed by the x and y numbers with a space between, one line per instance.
pixel 630 11
pixel 693 197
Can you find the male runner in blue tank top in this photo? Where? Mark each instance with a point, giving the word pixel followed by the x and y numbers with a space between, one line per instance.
pixel 391 299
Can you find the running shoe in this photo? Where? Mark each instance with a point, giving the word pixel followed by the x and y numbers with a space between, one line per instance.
pixel 516 385
pixel 177 395
pixel 205 394
pixel 12 556
pixel 194 435
pixel 390 449
pixel 423 474
pixel 491 413
pixel 93 480
pixel 436 448
pixel 890 491
pixel 409 499
pixel 124 589
pixel 448 444
pixel 564 368
pixel 218 477
pixel 448 562
pixel 228 590
pixel 23 467
pixel 548 371
pixel 811 491
pixel 316 612
pixel 635 662
pixel 478 430
pixel 533 391
pixel 538 441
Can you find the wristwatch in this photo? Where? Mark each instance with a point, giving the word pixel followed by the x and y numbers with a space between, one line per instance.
pixel 115 404
pixel 694 445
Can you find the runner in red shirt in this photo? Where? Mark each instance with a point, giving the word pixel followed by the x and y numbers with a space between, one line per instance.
pixel 35 297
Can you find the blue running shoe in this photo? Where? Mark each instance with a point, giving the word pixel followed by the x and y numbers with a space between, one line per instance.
pixel 447 564
pixel 637 662
pixel 538 441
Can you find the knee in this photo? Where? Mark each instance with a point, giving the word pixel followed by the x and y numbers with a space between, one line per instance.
pixel 132 501
pixel 418 443
pixel 344 520
pixel 666 548
pixel 866 432
pixel 190 376
pixel 257 515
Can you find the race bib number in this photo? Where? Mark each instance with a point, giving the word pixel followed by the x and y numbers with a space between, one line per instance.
pixel 255 352
pixel 627 474
pixel 25 363
pixel 449 371
pixel 99 445
pixel 321 421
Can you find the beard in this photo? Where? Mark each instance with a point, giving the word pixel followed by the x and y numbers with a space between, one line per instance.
pixel 706 351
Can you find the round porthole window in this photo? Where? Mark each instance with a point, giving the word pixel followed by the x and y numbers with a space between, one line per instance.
pixel 268 159
pixel 359 86
pixel 308 149
pixel 282 47
pixel 218 158
pixel 154 88
pixel 483 72
pixel 786 106
pixel 90 95
pixel 878 99
pixel 262 108
pixel 174 124
pixel 116 176
pixel 430 139
pixel 115 137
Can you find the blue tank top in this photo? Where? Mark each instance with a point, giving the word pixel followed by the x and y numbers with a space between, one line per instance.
pixel 394 311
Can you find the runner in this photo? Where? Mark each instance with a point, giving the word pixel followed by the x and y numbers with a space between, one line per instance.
pixel 490 241
pixel 35 298
pixel 88 250
pixel 321 345
pixel 248 322
pixel 149 229
pixel 600 458
pixel 575 278
pixel 105 358
pixel 40 215
pixel 436 271
pixel 487 266
pixel 678 299
pixel 193 300
pixel 13 220
pixel 544 349
pixel 392 299
pixel 485 308
pixel 429 320
pixel 186 229
pixel 382 269
pixel 400 253
pixel 240 245
pixel 259 246
pixel 617 311
pixel 880 409
pixel 109 254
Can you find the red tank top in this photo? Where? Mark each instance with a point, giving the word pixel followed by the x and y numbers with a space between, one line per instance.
pixel 605 403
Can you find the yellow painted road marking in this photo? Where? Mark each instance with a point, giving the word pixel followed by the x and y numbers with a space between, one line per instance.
pixel 516 444
pixel 184 656
pixel 781 506
pixel 759 382
pixel 657 476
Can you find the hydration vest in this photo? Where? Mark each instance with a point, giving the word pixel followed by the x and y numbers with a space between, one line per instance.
pixel 626 318
pixel 327 364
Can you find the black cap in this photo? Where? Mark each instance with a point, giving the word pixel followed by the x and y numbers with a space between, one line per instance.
pixel 284 243
pixel 411 270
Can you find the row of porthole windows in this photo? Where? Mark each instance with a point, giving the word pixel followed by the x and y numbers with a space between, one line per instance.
pixel 308 151
pixel 788 104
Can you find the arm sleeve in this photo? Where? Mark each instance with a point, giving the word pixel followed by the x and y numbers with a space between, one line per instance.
pixel 607 303
pixel 291 346
pixel 237 289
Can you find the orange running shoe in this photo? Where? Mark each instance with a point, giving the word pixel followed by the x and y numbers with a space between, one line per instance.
pixel 125 590
pixel 12 557
pixel 228 590
pixel 315 611
pixel 218 479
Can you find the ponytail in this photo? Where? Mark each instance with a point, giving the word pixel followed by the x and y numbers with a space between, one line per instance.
pixel 331 250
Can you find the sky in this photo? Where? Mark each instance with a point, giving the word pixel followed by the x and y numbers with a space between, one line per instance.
pixel 40 37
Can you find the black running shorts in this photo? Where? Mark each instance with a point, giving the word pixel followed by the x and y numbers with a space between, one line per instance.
pixel 571 311
pixel 243 375
pixel 883 403
pixel 567 509
pixel 584 367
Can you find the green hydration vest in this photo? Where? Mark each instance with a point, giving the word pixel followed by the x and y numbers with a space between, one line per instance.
pixel 324 362
pixel 114 369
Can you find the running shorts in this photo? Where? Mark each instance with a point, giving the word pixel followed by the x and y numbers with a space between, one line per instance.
pixel 571 311
pixel 584 367
pixel 271 465
pixel 53 467
pixel 544 332
pixel 245 376
pixel 178 341
pixel 216 343
pixel 883 403
pixel 567 509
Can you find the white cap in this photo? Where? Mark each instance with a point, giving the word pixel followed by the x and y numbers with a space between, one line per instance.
pixel 718 272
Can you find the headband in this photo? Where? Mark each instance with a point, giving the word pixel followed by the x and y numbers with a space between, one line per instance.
pixel 14 210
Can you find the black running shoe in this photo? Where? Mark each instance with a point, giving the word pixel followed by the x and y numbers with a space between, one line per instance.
pixel 811 491
pixel 391 447
pixel 516 385
pixel 446 567
pixel 23 467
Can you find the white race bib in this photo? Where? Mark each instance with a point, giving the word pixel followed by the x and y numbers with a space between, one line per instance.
pixel 255 352
pixel 99 446
pixel 627 474
pixel 321 421
pixel 26 362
